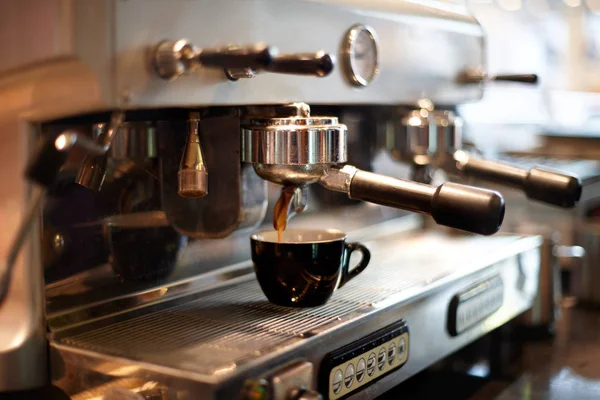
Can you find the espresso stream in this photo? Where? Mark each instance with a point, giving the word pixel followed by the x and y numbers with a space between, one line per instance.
pixel 280 213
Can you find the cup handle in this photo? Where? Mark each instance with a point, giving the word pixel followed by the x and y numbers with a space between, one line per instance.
pixel 362 264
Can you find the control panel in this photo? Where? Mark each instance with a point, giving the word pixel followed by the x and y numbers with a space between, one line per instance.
pixel 361 363
pixel 474 304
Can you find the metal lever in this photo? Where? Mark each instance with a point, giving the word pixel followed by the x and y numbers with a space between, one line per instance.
pixel 538 184
pixel 173 58
pixel 476 75
pixel 315 64
pixel 520 78
pixel 457 206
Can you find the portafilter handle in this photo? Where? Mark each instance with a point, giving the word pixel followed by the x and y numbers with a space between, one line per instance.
pixel 457 206
pixel 537 183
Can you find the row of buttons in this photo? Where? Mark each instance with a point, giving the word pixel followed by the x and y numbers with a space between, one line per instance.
pixel 379 360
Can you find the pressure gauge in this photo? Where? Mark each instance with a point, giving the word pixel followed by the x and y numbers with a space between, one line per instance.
pixel 361 55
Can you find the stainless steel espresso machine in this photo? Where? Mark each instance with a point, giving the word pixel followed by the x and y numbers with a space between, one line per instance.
pixel 155 137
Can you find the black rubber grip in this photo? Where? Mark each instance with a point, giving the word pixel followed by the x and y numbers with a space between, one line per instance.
pixel 519 78
pixel 552 187
pixel 46 162
pixel 314 64
pixel 256 57
pixel 468 208
pixel 457 206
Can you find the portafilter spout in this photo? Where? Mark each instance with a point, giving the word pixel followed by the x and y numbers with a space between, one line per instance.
pixel 299 150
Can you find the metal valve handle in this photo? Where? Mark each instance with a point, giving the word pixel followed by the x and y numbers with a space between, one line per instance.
pixel 173 58
pixel 477 75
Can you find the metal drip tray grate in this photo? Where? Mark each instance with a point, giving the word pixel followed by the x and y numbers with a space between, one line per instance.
pixel 220 330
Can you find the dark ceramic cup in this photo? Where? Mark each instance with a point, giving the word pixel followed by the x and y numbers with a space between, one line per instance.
pixel 306 267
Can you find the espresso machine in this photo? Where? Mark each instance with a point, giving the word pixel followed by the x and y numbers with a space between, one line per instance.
pixel 155 136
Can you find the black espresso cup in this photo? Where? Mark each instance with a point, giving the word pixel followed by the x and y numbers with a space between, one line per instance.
pixel 306 267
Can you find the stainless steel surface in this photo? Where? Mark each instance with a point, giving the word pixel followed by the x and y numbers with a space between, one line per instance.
pixel 307 395
pixel 294 141
pixel 586 287
pixel 192 177
pixel 17 243
pixel 545 310
pixel 290 382
pixel 216 340
pixel 106 44
pixel 91 59
pixel 338 179
pixel 132 140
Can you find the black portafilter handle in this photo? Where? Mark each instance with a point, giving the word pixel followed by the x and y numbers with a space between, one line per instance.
pixel 457 206
pixel 539 184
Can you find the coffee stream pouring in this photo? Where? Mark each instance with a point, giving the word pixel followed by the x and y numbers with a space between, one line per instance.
pixel 293 148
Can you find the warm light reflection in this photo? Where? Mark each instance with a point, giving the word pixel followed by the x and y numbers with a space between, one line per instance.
pixel 225 370
pixel 461 156
pixel 61 142
pixel 414 121
pixel 572 3
pixel 125 370
pixel 510 5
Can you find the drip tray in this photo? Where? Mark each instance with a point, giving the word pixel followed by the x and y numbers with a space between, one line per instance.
pixel 216 331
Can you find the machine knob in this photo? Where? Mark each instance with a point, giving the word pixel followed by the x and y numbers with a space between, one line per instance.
pixel 305 394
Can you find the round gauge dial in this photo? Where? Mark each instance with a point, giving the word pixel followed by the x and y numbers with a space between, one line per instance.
pixel 361 55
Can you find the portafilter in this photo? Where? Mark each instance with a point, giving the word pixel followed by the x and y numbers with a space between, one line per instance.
pixel 300 149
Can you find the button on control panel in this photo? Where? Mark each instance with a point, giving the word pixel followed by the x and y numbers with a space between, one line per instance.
pixel 363 362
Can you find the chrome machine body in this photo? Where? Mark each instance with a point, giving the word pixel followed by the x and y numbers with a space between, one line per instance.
pixel 134 275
